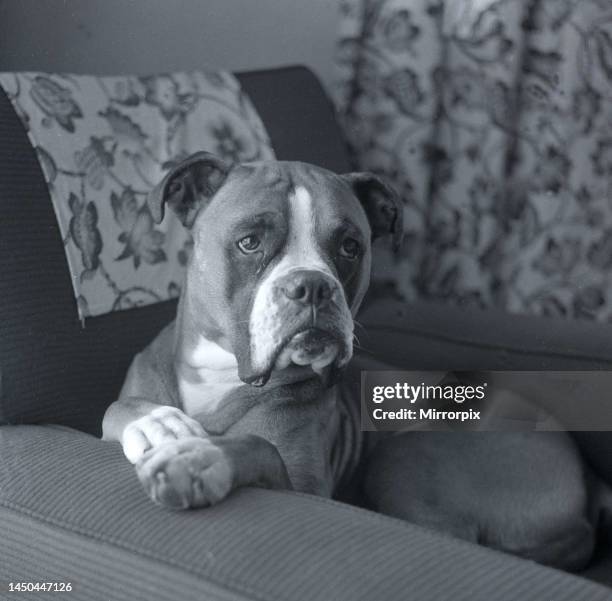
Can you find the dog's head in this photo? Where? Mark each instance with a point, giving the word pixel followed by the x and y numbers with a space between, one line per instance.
pixel 281 257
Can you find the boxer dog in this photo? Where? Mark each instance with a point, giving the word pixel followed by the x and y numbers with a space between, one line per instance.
pixel 241 389
pixel 236 391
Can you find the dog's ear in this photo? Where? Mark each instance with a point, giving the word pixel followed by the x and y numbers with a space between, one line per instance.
pixel 381 204
pixel 188 186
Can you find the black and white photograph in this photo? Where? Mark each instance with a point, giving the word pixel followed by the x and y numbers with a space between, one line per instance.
pixel 306 300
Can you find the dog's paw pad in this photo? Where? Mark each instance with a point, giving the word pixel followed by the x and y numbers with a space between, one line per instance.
pixel 187 473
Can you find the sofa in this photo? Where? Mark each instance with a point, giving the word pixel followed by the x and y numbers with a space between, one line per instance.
pixel 71 507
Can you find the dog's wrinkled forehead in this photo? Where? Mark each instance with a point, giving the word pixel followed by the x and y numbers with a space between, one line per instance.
pixel 272 185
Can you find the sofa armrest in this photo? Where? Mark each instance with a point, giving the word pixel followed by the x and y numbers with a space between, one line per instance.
pixel 436 335
pixel 71 509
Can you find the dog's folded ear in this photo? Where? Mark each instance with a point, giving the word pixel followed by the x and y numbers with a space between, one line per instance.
pixel 381 204
pixel 188 186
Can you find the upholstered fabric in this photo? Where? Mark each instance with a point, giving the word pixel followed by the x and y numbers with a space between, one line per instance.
pixel 103 143
pixel 493 120
pixel 71 509
pixel 434 335
pixel 51 368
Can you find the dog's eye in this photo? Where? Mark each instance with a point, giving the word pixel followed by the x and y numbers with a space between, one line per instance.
pixel 350 248
pixel 249 244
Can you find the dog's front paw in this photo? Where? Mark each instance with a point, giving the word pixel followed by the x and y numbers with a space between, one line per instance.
pixel 187 472
pixel 163 424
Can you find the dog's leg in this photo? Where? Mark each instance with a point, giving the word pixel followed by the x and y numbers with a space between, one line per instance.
pixel 179 465
pixel 199 472
pixel 140 425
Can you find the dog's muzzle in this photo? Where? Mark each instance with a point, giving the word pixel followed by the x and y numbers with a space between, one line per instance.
pixel 313 347
pixel 305 321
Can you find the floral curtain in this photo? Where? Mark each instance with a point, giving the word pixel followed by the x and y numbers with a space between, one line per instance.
pixel 493 118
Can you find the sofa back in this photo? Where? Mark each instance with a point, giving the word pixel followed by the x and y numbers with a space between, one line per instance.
pixel 54 370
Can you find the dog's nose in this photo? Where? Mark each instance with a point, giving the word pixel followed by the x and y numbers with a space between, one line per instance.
pixel 308 288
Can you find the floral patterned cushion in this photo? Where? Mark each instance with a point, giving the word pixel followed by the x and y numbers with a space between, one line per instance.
pixel 494 119
pixel 103 143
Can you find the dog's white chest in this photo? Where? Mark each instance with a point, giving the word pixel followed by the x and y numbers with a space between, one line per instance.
pixel 203 397
pixel 205 376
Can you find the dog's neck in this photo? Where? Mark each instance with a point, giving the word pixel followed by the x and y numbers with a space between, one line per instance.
pixel 205 371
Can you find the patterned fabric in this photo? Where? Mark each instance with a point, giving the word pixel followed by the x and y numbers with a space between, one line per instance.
pixel 494 120
pixel 103 143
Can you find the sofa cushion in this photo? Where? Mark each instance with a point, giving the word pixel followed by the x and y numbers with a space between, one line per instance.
pixel 71 509
pixel 51 368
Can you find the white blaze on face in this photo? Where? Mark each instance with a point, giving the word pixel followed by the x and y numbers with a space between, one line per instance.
pixel 301 252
